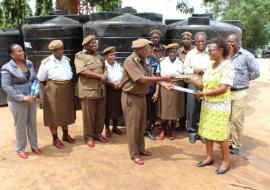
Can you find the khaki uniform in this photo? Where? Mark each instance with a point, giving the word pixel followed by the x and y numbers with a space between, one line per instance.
pixel 159 51
pixel 134 103
pixel 182 53
pixel 58 96
pixel 91 93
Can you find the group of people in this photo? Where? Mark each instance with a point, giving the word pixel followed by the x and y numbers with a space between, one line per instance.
pixel 140 90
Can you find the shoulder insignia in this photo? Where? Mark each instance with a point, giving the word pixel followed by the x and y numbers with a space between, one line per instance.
pixel 80 52
pixel 45 60
pixel 66 57
pixel 136 59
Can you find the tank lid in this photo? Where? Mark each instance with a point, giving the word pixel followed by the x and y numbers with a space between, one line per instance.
pixel 60 20
pixel 126 10
pixel 198 20
pixel 129 18
pixel 58 12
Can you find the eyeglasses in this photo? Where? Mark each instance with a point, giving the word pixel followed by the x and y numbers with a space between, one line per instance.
pixel 211 50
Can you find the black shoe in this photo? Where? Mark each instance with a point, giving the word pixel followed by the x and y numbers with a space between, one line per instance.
pixel 202 164
pixel 222 171
pixel 150 135
pixel 192 138
pixel 234 150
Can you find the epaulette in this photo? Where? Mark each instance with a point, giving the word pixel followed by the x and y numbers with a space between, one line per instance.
pixel 45 60
pixel 136 59
pixel 66 57
pixel 80 52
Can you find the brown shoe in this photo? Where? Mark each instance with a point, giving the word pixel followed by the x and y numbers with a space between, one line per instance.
pixel 90 144
pixel 58 144
pixel 108 133
pixel 117 131
pixel 102 139
pixel 68 139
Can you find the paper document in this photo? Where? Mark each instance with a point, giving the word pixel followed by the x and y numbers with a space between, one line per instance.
pixel 184 89
pixel 181 77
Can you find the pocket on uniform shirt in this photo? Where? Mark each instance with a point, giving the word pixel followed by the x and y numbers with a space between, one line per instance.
pixel 92 67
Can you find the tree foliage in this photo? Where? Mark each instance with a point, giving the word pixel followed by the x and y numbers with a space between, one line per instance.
pixel 184 7
pixel 13 13
pixel 43 7
pixel 254 16
pixel 105 5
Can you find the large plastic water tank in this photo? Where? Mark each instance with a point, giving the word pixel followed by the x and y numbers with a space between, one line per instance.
pixel 213 29
pixel 120 31
pixel 38 36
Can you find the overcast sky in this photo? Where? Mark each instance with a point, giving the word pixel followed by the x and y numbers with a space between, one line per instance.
pixel 165 7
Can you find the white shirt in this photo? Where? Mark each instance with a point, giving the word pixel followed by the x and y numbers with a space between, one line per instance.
pixel 168 68
pixel 53 69
pixel 115 72
pixel 195 60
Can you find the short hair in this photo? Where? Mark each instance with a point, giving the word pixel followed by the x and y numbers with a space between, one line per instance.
pixel 221 44
pixel 200 34
pixel 10 48
pixel 186 33
pixel 237 37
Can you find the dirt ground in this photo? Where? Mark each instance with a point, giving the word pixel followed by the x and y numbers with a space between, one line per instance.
pixel 172 165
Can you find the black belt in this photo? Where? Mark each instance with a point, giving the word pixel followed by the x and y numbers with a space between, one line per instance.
pixel 237 89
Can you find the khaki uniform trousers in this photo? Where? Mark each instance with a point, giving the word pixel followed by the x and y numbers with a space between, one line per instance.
pixel 93 113
pixel 239 102
pixel 134 110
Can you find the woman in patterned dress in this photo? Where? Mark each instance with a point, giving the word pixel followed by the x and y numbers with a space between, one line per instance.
pixel 216 104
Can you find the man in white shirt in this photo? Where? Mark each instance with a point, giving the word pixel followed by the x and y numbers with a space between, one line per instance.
pixel 58 99
pixel 195 64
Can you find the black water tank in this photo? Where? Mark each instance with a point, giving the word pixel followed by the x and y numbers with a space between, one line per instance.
pixel 38 36
pixel 213 29
pixel 54 13
pixel 120 32
pixel 150 16
pixel 6 38
pixel 104 15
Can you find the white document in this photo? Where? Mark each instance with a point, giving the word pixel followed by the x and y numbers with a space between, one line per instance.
pixel 184 89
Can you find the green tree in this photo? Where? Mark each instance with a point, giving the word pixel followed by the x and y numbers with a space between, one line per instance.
pixel 254 16
pixel 13 13
pixel 184 7
pixel 104 5
pixel 43 7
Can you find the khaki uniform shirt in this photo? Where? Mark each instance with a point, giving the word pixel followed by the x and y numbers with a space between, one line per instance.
pixel 159 51
pixel 134 69
pixel 86 87
pixel 182 53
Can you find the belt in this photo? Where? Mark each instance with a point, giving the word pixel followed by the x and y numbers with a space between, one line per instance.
pixel 140 95
pixel 60 81
pixel 237 89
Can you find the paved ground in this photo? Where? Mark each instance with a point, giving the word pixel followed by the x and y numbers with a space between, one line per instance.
pixel 172 165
